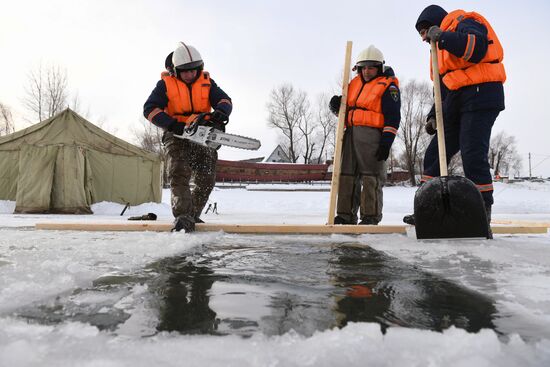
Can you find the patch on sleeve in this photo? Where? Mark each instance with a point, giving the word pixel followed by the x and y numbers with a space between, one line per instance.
pixel 394 92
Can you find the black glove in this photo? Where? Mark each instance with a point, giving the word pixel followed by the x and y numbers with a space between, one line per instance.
pixel 434 33
pixel 334 104
pixel 218 120
pixel 200 120
pixel 431 126
pixel 176 127
pixel 184 222
pixel 383 152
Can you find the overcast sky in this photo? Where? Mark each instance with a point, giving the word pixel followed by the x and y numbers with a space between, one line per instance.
pixel 114 51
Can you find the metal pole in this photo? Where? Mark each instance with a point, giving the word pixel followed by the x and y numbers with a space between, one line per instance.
pixel 529 165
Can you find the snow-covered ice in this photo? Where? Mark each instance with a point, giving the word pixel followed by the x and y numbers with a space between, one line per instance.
pixel 37 266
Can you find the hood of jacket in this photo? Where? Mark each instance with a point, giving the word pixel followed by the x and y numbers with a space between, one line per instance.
pixel 430 16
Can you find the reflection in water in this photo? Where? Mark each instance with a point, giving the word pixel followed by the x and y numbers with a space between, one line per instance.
pixel 272 290
pixel 258 285
pixel 182 289
pixel 382 289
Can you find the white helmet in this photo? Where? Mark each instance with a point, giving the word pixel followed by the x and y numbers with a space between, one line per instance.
pixel 186 57
pixel 371 56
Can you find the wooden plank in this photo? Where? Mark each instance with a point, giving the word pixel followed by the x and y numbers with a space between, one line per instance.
pixel 527 223
pixel 335 182
pixel 518 230
pixel 158 226
pixel 439 112
pixel 228 228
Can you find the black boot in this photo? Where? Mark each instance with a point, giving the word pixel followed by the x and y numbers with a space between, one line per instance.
pixel 369 221
pixel 184 222
pixel 341 220
pixel 409 219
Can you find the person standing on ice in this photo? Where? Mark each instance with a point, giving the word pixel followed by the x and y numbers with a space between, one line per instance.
pixel 372 119
pixel 470 65
pixel 178 100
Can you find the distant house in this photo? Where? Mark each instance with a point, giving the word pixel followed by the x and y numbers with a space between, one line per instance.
pixel 278 156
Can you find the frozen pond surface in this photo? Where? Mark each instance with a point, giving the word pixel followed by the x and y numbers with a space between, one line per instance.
pixel 253 285
pixel 214 299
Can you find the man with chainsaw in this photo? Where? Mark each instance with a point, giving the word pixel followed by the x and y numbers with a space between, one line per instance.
pixel 470 65
pixel 372 119
pixel 184 99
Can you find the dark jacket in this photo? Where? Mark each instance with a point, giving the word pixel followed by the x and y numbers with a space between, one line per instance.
pixel 485 96
pixel 391 109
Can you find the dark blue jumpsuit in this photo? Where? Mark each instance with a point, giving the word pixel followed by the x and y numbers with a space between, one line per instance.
pixel 468 113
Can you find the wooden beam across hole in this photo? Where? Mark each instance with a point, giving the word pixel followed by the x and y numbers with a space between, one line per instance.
pixel 157 226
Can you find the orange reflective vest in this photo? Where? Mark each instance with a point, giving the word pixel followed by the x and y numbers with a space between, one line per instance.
pixel 458 72
pixel 365 101
pixel 186 102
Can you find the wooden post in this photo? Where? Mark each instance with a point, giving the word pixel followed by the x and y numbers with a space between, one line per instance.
pixel 335 183
pixel 439 113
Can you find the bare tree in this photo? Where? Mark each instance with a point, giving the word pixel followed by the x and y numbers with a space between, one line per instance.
pixel 455 167
pixel 149 137
pixel 286 111
pixel 6 120
pixel 46 94
pixel 76 106
pixel 307 127
pixel 416 101
pixel 326 130
pixel 503 155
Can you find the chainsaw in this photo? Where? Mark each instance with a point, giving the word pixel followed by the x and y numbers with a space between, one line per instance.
pixel 213 138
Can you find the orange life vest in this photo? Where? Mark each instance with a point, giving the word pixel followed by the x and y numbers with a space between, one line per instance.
pixel 458 72
pixel 184 103
pixel 365 101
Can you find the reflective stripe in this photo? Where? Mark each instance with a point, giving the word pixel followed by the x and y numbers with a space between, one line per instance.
pixel 459 72
pixel 425 178
pixel 485 187
pixel 469 47
pixel 390 129
pixel 153 113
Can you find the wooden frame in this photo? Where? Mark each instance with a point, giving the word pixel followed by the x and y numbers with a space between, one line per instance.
pixel 158 226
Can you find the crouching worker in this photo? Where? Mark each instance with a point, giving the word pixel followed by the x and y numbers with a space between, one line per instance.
pixel 183 93
pixel 372 119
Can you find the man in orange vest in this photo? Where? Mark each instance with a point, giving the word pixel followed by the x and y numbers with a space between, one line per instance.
pixel 184 92
pixel 372 119
pixel 470 65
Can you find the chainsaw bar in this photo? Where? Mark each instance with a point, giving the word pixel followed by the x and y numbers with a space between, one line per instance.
pixel 207 135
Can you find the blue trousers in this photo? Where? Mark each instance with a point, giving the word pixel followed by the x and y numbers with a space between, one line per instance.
pixel 469 133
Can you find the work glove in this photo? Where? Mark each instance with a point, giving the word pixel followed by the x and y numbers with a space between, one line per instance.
pixel 148 216
pixel 431 126
pixel 176 127
pixel 218 120
pixel 383 152
pixel 203 119
pixel 434 33
pixel 334 104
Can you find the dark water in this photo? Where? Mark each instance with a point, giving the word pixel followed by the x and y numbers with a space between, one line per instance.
pixel 271 288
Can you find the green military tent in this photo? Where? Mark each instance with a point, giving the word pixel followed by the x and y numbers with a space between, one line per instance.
pixel 65 164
